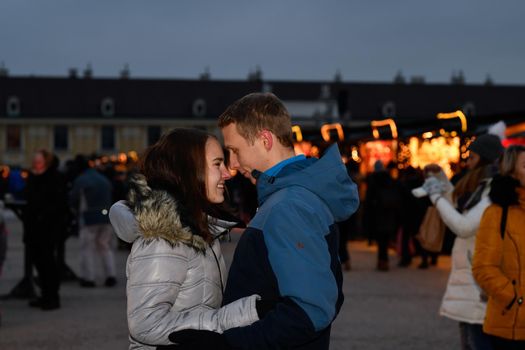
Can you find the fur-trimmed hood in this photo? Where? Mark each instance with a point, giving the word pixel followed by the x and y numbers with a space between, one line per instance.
pixel 158 215
pixel 155 214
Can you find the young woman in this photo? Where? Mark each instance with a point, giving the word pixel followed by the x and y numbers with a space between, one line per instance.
pixel 463 300
pixel 175 270
pixel 499 259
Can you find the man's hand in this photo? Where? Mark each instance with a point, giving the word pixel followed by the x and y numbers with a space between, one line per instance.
pixel 193 339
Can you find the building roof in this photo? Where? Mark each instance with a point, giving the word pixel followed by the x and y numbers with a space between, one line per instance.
pixel 47 97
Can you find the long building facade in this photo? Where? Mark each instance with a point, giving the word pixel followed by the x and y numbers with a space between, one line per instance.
pixel 107 116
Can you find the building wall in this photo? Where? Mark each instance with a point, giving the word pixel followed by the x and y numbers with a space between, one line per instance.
pixel 85 136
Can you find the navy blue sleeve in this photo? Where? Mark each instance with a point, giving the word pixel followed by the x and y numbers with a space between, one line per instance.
pixel 294 234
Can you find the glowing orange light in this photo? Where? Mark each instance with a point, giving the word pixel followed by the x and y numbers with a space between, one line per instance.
pixel 386 122
pixel 5 171
pixel 355 155
pixel 133 155
pixel 122 158
pixel 457 114
pixel 314 151
pixel 296 129
pixel 325 131
pixel 515 129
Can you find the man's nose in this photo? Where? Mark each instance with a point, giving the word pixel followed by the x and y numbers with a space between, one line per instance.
pixel 234 163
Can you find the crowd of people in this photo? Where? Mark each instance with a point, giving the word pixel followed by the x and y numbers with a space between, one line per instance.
pixel 484 292
pixel 284 286
pixel 56 203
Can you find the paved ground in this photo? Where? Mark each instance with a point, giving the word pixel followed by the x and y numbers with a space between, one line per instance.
pixel 393 310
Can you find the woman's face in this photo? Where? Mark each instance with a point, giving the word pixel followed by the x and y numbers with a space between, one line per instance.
pixel 216 171
pixel 519 171
pixel 472 160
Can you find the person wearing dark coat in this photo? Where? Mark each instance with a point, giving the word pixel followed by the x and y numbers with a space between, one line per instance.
pixel 43 217
pixel 413 212
pixel 382 216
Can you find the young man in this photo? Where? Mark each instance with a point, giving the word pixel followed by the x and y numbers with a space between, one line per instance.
pixel 288 253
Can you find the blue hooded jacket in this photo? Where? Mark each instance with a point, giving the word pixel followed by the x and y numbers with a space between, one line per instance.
pixel 288 254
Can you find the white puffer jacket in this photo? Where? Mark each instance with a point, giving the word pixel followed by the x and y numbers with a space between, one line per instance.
pixel 462 301
pixel 175 278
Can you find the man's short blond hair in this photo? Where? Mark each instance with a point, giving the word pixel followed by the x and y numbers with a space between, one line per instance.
pixel 256 112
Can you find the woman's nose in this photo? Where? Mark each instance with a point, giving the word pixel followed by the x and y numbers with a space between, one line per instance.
pixel 225 172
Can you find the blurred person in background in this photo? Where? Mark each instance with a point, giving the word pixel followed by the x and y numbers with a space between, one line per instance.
pixel 91 198
pixel 382 212
pixel 3 243
pixel 412 214
pixel 43 218
pixel 463 300
pixel 63 227
pixel 349 227
pixel 499 259
pixel 3 238
pixel 176 272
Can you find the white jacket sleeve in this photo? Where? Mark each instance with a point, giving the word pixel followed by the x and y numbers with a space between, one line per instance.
pixel 123 222
pixel 466 224
pixel 154 282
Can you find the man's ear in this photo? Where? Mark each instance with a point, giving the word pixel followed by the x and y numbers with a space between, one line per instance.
pixel 267 139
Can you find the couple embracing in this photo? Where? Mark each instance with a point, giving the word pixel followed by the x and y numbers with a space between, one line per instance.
pixel 284 287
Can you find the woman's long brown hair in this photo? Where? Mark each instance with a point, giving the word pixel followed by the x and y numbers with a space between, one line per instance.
pixel 470 181
pixel 177 164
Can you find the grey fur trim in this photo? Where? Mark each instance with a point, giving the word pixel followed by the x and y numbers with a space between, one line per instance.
pixel 157 215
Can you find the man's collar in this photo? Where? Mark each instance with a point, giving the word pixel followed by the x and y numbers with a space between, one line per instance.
pixel 273 171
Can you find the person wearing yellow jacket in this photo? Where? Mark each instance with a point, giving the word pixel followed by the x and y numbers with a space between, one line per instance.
pixel 499 257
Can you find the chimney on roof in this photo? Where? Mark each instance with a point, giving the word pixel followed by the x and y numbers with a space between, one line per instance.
pixel 73 73
pixel 125 72
pixel 488 80
pixel 399 78
pixel 206 75
pixel 457 79
pixel 88 72
pixel 255 75
pixel 338 77
pixel 3 70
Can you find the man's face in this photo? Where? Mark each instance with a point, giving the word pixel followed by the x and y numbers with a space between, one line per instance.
pixel 244 156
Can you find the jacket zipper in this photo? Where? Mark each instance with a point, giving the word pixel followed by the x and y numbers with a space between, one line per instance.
pixel 220 272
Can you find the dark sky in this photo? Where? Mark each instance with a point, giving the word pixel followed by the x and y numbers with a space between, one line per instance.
pixel 289 39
